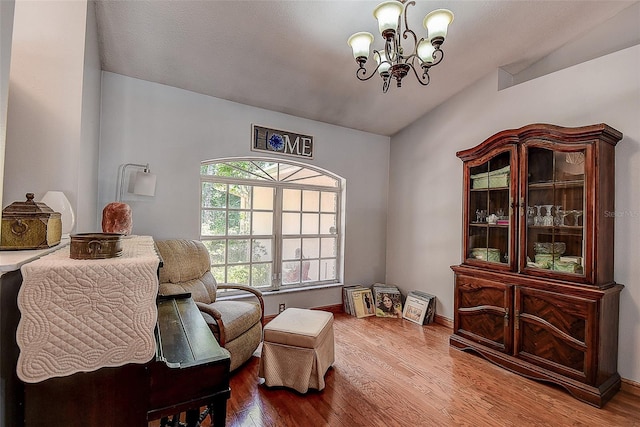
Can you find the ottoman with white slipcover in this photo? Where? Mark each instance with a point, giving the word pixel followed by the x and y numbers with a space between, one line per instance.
pixel 298 349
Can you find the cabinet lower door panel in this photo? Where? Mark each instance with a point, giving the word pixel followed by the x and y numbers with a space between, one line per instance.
pixel 552 330
pixel 483 309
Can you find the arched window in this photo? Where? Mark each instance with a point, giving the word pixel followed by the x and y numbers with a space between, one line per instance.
pixel 269 223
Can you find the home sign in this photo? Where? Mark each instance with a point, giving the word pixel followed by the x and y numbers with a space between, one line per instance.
pixel 281 141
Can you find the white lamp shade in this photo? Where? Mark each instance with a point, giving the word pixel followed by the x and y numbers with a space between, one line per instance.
pixel 145 184
pixel 387 14
pixel 360 43
pixel 425 51
pixel 57 201
pixel 381 58
pixel 436 23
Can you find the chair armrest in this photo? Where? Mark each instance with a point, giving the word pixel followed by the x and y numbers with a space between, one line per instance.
pixel 205 308
pixel 249 289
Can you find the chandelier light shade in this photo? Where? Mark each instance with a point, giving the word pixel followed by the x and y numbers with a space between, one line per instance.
pixel 360 43
pixel 395 61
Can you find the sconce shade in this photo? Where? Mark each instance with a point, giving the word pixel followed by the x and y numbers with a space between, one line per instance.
pixel 57 201
pixel 142 183
pixel 387 14
pixel 360 43
pixel 145 184
pixel 437 22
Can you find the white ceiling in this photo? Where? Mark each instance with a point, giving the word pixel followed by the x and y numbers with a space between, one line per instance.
pixel 292 56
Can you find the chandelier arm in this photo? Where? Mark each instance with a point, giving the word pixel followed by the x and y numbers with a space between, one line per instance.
pixel 385 84
pixel 406 25
pixel 438 56
pixel 361 73
pixel 425 79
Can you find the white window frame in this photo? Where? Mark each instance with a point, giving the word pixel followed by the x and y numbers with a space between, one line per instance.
pixel 279 184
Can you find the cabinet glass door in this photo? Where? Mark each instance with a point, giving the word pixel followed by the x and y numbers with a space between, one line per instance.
pixel 554 211
pixel 489 210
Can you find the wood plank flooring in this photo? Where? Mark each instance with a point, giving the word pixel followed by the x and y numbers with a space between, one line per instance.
pixel 391 372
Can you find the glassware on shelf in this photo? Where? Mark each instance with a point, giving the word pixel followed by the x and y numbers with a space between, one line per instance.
pixel 577 214
pixel 547 220
pixel 538 218
pixel 531 213
pixel 481 214
pixel 500 213
pixel 557 218
pixel 555 248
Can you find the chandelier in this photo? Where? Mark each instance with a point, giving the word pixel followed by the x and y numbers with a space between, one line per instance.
pixel 394 61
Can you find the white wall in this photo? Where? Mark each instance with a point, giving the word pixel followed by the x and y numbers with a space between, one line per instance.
pixel 53 107
pixel 424 233
pixel 6 30
pixel 174 130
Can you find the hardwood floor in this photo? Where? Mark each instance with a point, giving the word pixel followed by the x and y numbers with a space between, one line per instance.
pixel 391 372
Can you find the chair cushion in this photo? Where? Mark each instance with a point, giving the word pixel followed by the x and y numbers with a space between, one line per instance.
pixel 237 316
pixel 202 289
pixel 183 260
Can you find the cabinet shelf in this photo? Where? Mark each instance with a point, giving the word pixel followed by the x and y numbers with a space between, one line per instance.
pixel 484 190
pixel 487 225
pixel 546 185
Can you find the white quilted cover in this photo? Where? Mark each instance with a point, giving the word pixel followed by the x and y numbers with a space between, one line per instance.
pixel 82 315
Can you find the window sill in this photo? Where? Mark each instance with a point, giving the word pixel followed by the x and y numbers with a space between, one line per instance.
pixel 242 295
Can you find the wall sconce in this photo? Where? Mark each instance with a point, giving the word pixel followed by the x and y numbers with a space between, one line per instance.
pixel 144 182
pixel 57 201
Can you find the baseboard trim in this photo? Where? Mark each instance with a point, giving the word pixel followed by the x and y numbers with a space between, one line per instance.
pixel 444 321
pixel 336 308
pixel 630 387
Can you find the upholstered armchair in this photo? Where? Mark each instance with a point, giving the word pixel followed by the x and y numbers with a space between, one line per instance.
pixel 236 324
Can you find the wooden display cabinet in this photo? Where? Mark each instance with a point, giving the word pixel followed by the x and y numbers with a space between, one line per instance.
pixel 535 292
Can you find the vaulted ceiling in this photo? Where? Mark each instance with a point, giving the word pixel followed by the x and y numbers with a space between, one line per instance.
pixel 293 57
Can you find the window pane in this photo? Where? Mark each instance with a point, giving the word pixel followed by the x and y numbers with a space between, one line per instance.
pixel 214 195
pixel 239 196
pixel 327 223
pixel 261 250
pixel 310 270
pixel 263 198
pixel 261 275
pixel 324 181
pixel 214 223
pixel 309 223
pixel 310 248
pixel 262 223
pixel 238 274
pixel 238 223
pixel 327 269
pixel 216 250
pixel 328 202
pixel 218 274
pixel 328 247
pixel 238 251
pixel 289 248
pixel 310 200
pixel 291 200
pixel 290 223
pixel 291 272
